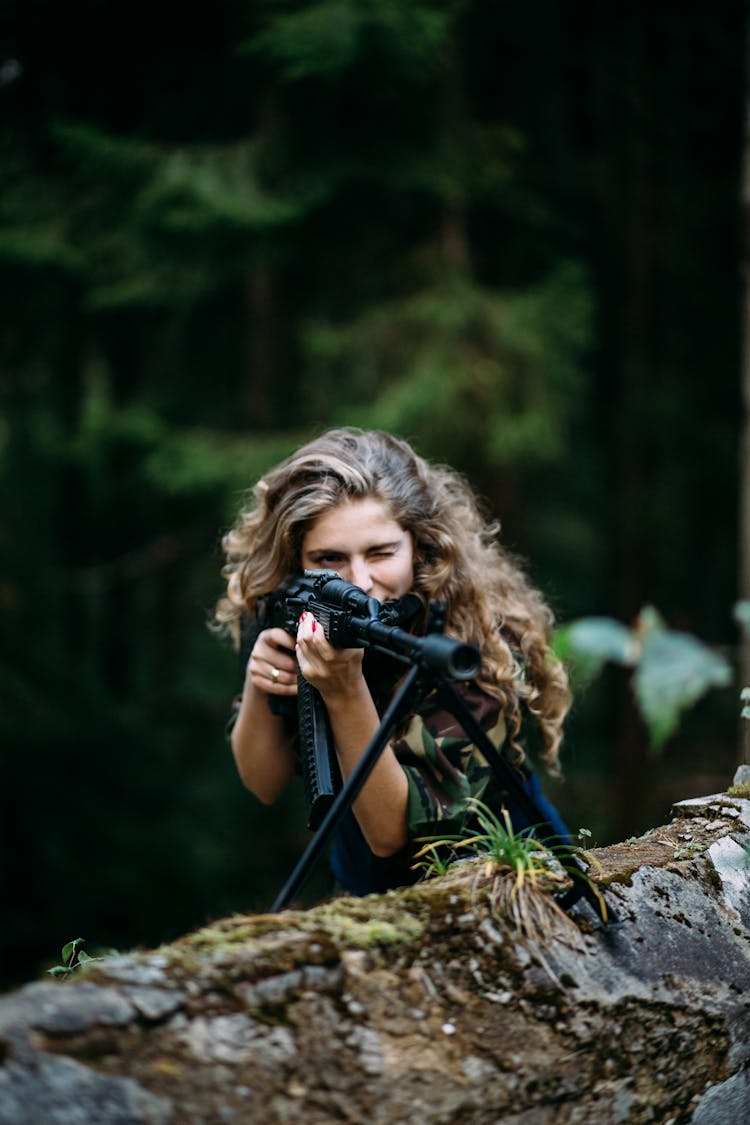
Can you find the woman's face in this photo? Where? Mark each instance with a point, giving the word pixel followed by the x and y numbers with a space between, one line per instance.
pixel 360 540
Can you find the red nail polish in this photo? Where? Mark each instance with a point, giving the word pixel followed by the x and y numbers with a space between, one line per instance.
pixel 315 625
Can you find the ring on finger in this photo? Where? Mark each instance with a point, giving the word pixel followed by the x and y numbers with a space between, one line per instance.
pixel 274 674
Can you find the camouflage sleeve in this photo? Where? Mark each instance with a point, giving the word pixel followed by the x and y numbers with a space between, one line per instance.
pixel 443 767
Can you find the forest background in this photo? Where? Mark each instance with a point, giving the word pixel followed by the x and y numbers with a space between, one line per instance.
pixel 509 232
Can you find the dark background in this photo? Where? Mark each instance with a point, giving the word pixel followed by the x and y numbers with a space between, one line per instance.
pixel 509 232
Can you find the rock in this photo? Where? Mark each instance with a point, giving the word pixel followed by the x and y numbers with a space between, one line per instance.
pixel 60 1091
pixel 725 1103
pixel 426 1004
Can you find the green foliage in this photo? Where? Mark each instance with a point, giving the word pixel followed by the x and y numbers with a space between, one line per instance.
pixel 745 700
pixel 520 851
pixel 672 670
pixel 483 377
pixel 742 617
pixel 496 842
pixel 435 858
pixel 142 223
pixel 213 190
pixel 592 642
pixel 72 956
pixel 324 40
pixel 521 869
pixel 169 223
pixel 173 460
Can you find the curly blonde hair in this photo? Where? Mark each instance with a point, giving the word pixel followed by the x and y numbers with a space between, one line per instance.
pixel 457 561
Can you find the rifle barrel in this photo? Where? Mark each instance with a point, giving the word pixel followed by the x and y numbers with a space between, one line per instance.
pixel 447 655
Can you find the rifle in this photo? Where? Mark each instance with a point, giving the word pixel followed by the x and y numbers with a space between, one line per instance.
pixel 352 619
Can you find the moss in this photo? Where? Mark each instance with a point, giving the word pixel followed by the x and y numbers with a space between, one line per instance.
pixel 349 923
pixel 712 875
pixel 275 1015
pixel 690 849
pixel 625 877
pixel 741 790
pixel 236 930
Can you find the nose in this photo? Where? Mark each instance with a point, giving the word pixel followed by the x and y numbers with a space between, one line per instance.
pixel 360 574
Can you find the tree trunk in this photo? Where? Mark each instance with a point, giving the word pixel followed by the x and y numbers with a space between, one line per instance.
pixel 744 490
pixel 428 1004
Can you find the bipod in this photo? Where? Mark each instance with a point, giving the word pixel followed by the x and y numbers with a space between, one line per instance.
pixel 419 682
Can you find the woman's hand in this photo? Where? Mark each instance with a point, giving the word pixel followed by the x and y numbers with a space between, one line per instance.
pixel 335 672
pixel 272 667
pixel 260 742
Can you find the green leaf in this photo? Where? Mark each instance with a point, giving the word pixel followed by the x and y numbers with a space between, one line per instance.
pixel 592 641
pixel 59 971
pixel 72 947
pixel 649 621
pixel 745 698
pixel 742 616
pixel 674 672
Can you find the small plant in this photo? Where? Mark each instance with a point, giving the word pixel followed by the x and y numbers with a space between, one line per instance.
pixel 435 858
pixel 520 851
pixel 73 956
pixel 522 869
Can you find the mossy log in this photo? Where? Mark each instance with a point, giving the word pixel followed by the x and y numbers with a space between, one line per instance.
pixel 426 1004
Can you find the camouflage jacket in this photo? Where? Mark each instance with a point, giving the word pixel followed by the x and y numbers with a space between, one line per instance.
pixel 443 766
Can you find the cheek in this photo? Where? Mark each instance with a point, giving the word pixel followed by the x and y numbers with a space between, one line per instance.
pixel 401 576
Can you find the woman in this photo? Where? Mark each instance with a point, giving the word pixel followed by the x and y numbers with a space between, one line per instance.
pixel 366 505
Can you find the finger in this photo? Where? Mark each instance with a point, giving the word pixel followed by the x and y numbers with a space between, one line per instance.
pixel 279 638
pixel 279 676
pixel 308 627
pixel 276 655
pixel 268 665
pixel 262 676
pixel 278 648
pixel 275 689
pixel 311 637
